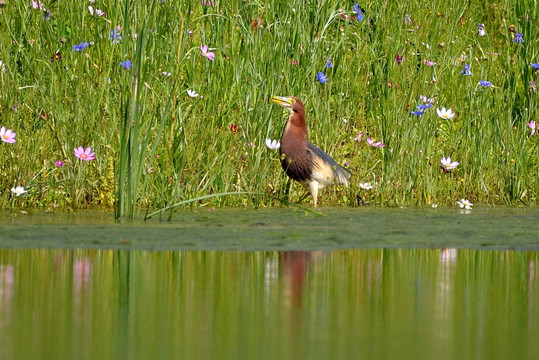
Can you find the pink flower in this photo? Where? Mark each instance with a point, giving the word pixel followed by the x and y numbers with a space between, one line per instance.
pixel 83 154
pixel 532 125
pixel 38 5
pixel 447 164
pixel 205 53
pixel 359 137
pixel 428 63
pixel 373 143
pixel 7 135
pixel 59 163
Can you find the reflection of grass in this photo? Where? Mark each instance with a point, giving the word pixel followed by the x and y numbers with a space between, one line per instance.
pixel 84 95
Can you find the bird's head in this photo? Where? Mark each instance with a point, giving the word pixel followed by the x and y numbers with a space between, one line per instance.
pixel 290 103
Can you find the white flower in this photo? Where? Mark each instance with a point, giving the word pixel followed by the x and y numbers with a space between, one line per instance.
pixel 447 164
pixel 445 114
pixel 167 74
pixel 463 203
pixel 272 144
pixel 192 93
pixel 365 186
pixel 2 66
pixel 97 12
pixel 18 190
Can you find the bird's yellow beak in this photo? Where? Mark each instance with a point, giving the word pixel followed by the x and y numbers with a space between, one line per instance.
pixel 283 101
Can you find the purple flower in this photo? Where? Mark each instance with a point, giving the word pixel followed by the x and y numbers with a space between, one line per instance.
pixel 485 83
pixel 518 38
pixel 80 47
pixel 359 13
pixel 418 112
pixel 424 106
pixel 329 63
pixel 126 64
pixel 533 126
pixel 321 77
pixel 115 36
pixel 373 143
pixel 359 137
pixel 466 70
pixel 399 59
pixel 59 163
pixel 47 15
pixel 535 66
pixel 84 154
pixel 205 53
pixel 481 29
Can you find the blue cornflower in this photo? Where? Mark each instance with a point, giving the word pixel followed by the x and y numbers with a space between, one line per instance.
pixel 126 64
pixel 466 70
pixel 321 77
pixel 80 47
pixel 518 38
pixel 359 13
pixel 47 15
pixel 422 107
pixel 115 36
pixel 329 63
pixel 535 66
pixel 418 112
pixel 485 83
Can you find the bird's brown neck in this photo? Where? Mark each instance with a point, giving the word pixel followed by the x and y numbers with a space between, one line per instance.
pixel 295 127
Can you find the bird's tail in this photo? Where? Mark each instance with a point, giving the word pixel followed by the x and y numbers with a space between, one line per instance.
pixel 341 175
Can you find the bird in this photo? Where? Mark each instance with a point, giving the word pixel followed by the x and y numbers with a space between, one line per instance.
pixel 300 159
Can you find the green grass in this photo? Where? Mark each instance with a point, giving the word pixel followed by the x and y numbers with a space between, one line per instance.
pixel 156 146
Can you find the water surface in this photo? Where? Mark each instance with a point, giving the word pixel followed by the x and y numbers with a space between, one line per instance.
pixel 271 284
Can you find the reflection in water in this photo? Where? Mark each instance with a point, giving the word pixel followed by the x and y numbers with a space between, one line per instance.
pixel 372 304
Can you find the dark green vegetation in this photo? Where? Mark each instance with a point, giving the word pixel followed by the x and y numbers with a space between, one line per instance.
pixel 155 145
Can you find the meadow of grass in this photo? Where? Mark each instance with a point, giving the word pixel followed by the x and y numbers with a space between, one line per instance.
pixel 155 145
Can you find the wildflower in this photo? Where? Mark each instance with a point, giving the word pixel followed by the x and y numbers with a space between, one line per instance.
pixel 481 29
pixel 428 63
pixel 57 56
pixel 466 70
pixel 2 66
pixel 534 127
pixel 463 203
pixel 167 74
pixel 115 36
pixel 38 5
pixel 533 86
pixel 192 93
pixel 445 114
pixel 359 137
pixel 424 99
pixel 518 38
pixel 97 12
pixel 377 144
pixel 365 186
pixel 256 23
pixel 422 107
pixel 359 13
pixel 80 47
pixel 535 66
pixel 7 136
pixel 329 63
pixel 485 83
pixel 233 128
pixel 407 19
pixel 47 15
pixel 126 64
pixel 18 190
pixel 206 3
pixel 447 164
pixel 417 113
pixel 84 154
pixel 321 77
pixel 205 53
pixel 59 163
pixel 399 59
pixel 272 144
pixel 293 62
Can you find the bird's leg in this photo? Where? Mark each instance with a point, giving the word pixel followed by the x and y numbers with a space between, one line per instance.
pixel 313 188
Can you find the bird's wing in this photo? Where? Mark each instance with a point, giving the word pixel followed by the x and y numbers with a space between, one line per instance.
pixel 329 172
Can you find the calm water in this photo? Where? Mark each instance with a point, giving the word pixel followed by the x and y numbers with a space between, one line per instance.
pixel 367 284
